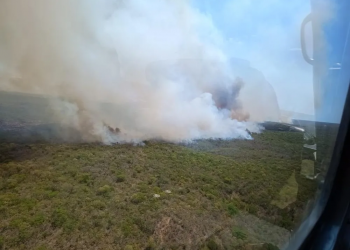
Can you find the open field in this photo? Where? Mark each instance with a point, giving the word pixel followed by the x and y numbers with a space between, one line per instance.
pixel 213 194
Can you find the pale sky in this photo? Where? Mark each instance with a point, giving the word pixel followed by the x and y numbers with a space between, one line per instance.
pixel 267 34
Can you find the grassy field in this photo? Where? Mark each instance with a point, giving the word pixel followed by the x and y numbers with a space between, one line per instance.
pixel 212 194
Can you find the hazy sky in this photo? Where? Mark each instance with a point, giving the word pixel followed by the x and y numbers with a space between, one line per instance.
pixel 267 33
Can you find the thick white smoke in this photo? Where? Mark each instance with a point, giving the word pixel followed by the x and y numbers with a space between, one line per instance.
pixel 94 56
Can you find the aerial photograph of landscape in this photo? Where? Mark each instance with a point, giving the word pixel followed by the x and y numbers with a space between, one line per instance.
pixel 160 125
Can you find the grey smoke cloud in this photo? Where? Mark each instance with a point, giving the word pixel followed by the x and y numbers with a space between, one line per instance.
pixel 267 33
pixel 94 55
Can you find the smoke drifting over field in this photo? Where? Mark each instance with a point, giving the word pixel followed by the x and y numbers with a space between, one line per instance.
pixel 94 56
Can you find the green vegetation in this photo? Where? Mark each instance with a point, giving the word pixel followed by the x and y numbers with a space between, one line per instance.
pixel 50 194
pixel 238 194
pixel 232 210
pixel 212 245
pixel 239 234
pixel 120 177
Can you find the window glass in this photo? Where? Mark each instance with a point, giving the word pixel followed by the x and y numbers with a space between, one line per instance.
pixel 166 124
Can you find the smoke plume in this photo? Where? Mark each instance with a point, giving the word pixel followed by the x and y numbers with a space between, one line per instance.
pixel 96 57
